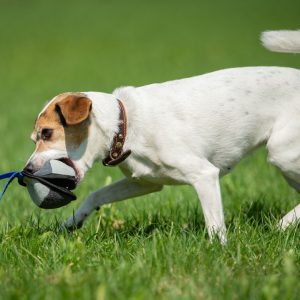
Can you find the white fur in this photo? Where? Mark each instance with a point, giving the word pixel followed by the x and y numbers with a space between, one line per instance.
pixel 282 40
pixel 194 130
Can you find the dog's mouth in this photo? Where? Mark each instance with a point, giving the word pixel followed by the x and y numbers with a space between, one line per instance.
pixel 71 164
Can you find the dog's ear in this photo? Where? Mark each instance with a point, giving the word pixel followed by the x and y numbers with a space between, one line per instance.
pixel 74 109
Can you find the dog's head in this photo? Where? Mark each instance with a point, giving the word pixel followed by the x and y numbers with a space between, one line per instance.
pixel 61 132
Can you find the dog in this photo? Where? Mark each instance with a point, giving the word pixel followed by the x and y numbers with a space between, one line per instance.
pixel 190 131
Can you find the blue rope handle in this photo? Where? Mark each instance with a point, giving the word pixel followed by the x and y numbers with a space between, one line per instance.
pixel 11 176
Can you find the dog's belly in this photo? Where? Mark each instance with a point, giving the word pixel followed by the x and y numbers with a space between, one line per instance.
pixel 147 170
pixel 172 170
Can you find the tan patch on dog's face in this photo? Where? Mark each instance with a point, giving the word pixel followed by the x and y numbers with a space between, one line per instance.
pixel 51 132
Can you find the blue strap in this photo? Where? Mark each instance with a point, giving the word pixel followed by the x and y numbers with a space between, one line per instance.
pixel 11 176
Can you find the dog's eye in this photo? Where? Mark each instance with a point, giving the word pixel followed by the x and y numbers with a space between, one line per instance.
pixel 46 134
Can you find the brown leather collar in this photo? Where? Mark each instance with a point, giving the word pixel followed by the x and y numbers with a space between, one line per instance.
pixel 116 154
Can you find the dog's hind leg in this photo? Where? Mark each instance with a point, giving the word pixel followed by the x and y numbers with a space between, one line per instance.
pixel 120 190
pixel 292 217
pixel 284 153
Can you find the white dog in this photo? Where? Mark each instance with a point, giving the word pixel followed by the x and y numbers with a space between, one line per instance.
pixel 189 131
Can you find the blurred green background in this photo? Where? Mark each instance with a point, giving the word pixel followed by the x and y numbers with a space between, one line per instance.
pixel 49 47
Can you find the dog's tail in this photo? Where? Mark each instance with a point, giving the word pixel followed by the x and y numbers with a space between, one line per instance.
pixel 282 40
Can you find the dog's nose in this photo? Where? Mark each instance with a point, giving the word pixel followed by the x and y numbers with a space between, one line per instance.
pixel 28 168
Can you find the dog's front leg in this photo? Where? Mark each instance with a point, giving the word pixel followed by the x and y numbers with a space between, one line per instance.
pixel 206 184
pixel 120 190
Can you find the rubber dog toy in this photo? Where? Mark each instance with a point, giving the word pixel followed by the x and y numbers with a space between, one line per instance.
pixel 50 187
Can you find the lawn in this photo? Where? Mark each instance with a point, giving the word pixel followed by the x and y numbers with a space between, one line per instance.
pixel 156 246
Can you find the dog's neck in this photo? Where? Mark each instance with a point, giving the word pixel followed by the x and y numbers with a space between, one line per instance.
pixel 104 125
pixel 116 153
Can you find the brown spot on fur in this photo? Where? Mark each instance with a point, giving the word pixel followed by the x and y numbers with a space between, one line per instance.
pixel 75 108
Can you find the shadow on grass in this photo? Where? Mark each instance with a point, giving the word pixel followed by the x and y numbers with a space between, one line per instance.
pixel 161 224
pixel 260 212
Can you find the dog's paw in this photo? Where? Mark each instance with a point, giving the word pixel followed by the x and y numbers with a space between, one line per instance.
pixel 71 224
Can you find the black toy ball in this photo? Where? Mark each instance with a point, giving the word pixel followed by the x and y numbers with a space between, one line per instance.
pixel 50 186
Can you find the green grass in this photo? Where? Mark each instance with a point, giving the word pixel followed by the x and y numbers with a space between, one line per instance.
pixel 153 247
